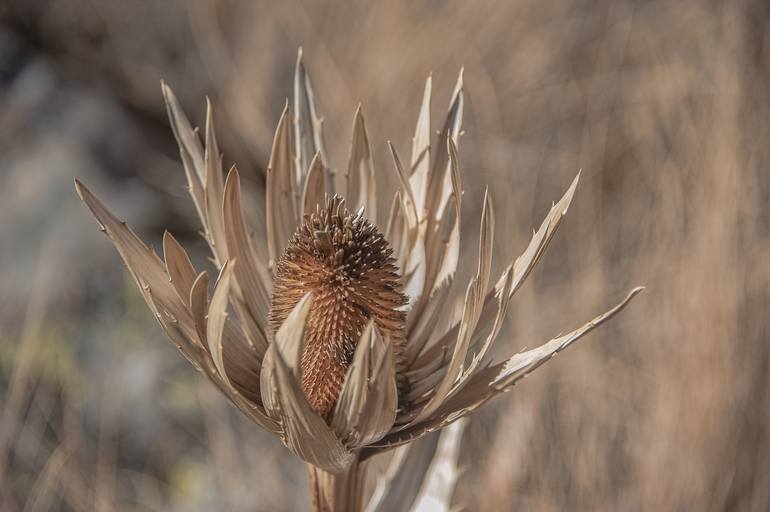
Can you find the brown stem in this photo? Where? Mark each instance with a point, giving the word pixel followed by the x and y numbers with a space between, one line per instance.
pixel 337 492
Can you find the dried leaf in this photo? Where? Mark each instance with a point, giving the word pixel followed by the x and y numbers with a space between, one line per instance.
pixel 314 194
pixel 190 150
pixel 242 364
pixel 439 483
pixel 199 304
pixel 473 301
pixel 397 230
pixel 304 431
pixel 216 317
pixel 392 490
pixel 487 383
pixel 523 363
pixel 541 238
pixel 308 125
pixel 143 264
pixel 425 325
pixel 521 269
pixel 163 300
pixel 413 218
pixel 467 326
pixel 414 267
pixel 289 338
pixel 252 410
pixel 439 183
pixel 214 192
pixel 178 265
pixel 449 252
pixel 502 295
pixel 421 151
pixel 281 203
pixel 486 244
pixel 252 301
pixel 361 186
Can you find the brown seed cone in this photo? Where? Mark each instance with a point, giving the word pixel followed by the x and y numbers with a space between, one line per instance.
pixel 348 266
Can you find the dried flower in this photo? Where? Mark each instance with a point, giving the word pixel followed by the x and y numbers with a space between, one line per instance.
pixel 342 344
pixel 347 265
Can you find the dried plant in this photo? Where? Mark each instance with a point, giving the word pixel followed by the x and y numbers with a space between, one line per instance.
pixel 341 343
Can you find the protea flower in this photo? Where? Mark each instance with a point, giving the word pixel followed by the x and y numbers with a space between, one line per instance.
pixel 343 342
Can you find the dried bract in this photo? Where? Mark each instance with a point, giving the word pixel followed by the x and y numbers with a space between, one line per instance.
pixel 345 262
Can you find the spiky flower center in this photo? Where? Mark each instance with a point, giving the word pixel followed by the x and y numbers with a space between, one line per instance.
pixel 348 266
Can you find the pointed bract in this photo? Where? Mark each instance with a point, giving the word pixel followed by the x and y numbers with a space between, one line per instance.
pixel 216 317
pixel 178 265
pixel 361 185
pixel 304 431
pixel 366 408
pixel 214 191
pixel 280 201
pixel 308 124
pixel 314 194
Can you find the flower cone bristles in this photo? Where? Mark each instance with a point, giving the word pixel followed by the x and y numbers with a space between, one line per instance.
pixel 347 265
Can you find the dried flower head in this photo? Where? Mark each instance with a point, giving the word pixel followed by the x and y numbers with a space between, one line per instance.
pixel 348 267
pixel 345 342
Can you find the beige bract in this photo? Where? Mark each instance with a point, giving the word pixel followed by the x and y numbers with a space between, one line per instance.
pixel 343 340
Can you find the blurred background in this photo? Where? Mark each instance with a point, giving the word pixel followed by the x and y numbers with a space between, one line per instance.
pixel 664 105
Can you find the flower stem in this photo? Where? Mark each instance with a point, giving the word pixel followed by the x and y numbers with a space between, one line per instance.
pixel 337 492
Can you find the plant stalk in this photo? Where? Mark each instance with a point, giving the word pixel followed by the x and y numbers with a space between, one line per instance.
pixel 337 492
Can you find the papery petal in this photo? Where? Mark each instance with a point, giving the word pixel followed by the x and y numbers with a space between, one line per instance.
pixel 251 409
pixel 441 478
pixel 178 266
pixel 473 302
pixel 281 203
pixel 144 265
pixel 439 262
pixel 421 151
pixel 366 407
pixel 397 230
pixel 289 340
pixel 414 251
pixel 424 326
pixel 314 193
pixel 439 185
pixel 361 185
pixel 502 295
pixel 394 492
pixel 251 299
pixel 450 254
pixel 524 263
pixel 443 183
pixel 216 317
pixel 242 364
pixel 412 215
pixel 163 300
pixel 190 150
pixel 521 269
pixel 308 126
pixel 487 383
pixel 199 303
pixel 304 431
pixel 445 380
pixel 237 363
pixel 523 363
pixel 214 192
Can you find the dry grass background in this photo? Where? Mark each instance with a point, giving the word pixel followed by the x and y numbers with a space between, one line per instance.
pixel 664 105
